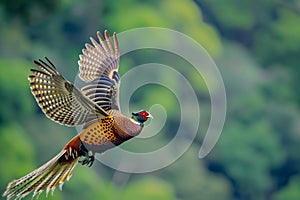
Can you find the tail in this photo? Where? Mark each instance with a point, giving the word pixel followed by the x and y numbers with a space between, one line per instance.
pixel 48 176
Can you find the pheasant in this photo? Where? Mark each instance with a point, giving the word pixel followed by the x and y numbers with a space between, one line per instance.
pixel 95 106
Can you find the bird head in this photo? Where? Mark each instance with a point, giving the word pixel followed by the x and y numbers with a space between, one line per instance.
pixel 141 116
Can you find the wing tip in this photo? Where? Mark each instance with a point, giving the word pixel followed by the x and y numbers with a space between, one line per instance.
pixel 106 34
pixel 100 37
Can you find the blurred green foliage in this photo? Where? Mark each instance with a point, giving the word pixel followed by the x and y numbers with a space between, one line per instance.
pixel 254 43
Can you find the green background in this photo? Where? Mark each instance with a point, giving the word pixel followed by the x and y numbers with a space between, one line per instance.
pixel 256 45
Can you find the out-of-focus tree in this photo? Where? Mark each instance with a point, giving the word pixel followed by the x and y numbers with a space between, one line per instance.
pixel 190 169
pixel 289 192
pixel 182 16
pixel 17 157
pixel 13 86
pixel 28 11
pixel 148 188
pixel 267 28
pixel 251 147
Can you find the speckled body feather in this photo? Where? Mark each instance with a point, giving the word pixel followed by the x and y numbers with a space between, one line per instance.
pixel 109 132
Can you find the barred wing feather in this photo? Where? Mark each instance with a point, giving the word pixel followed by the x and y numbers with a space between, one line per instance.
pixel 99 69
pixel 59 99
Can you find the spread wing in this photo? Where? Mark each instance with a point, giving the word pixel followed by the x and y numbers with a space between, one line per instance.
pixel 98 66
pixel 59 99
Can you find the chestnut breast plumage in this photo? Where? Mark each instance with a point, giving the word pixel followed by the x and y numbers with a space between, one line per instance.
pixel 109 132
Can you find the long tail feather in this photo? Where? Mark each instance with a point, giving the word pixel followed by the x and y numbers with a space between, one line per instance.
pixel 50 175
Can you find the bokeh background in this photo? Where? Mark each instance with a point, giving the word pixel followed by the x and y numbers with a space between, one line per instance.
pixel 256 45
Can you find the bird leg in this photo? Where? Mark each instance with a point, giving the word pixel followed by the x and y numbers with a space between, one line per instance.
pixel 88 159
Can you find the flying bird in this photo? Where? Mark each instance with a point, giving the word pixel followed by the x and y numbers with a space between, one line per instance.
pixel 95 106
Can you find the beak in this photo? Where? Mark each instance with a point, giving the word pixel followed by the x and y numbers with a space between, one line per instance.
pixel 150 116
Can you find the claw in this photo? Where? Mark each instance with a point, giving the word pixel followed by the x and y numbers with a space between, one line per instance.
pixel 88 161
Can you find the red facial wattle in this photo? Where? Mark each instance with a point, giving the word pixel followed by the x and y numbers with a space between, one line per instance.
pixel 144 114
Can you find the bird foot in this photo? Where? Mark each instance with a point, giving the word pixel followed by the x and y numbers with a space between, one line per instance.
pixel 88 161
